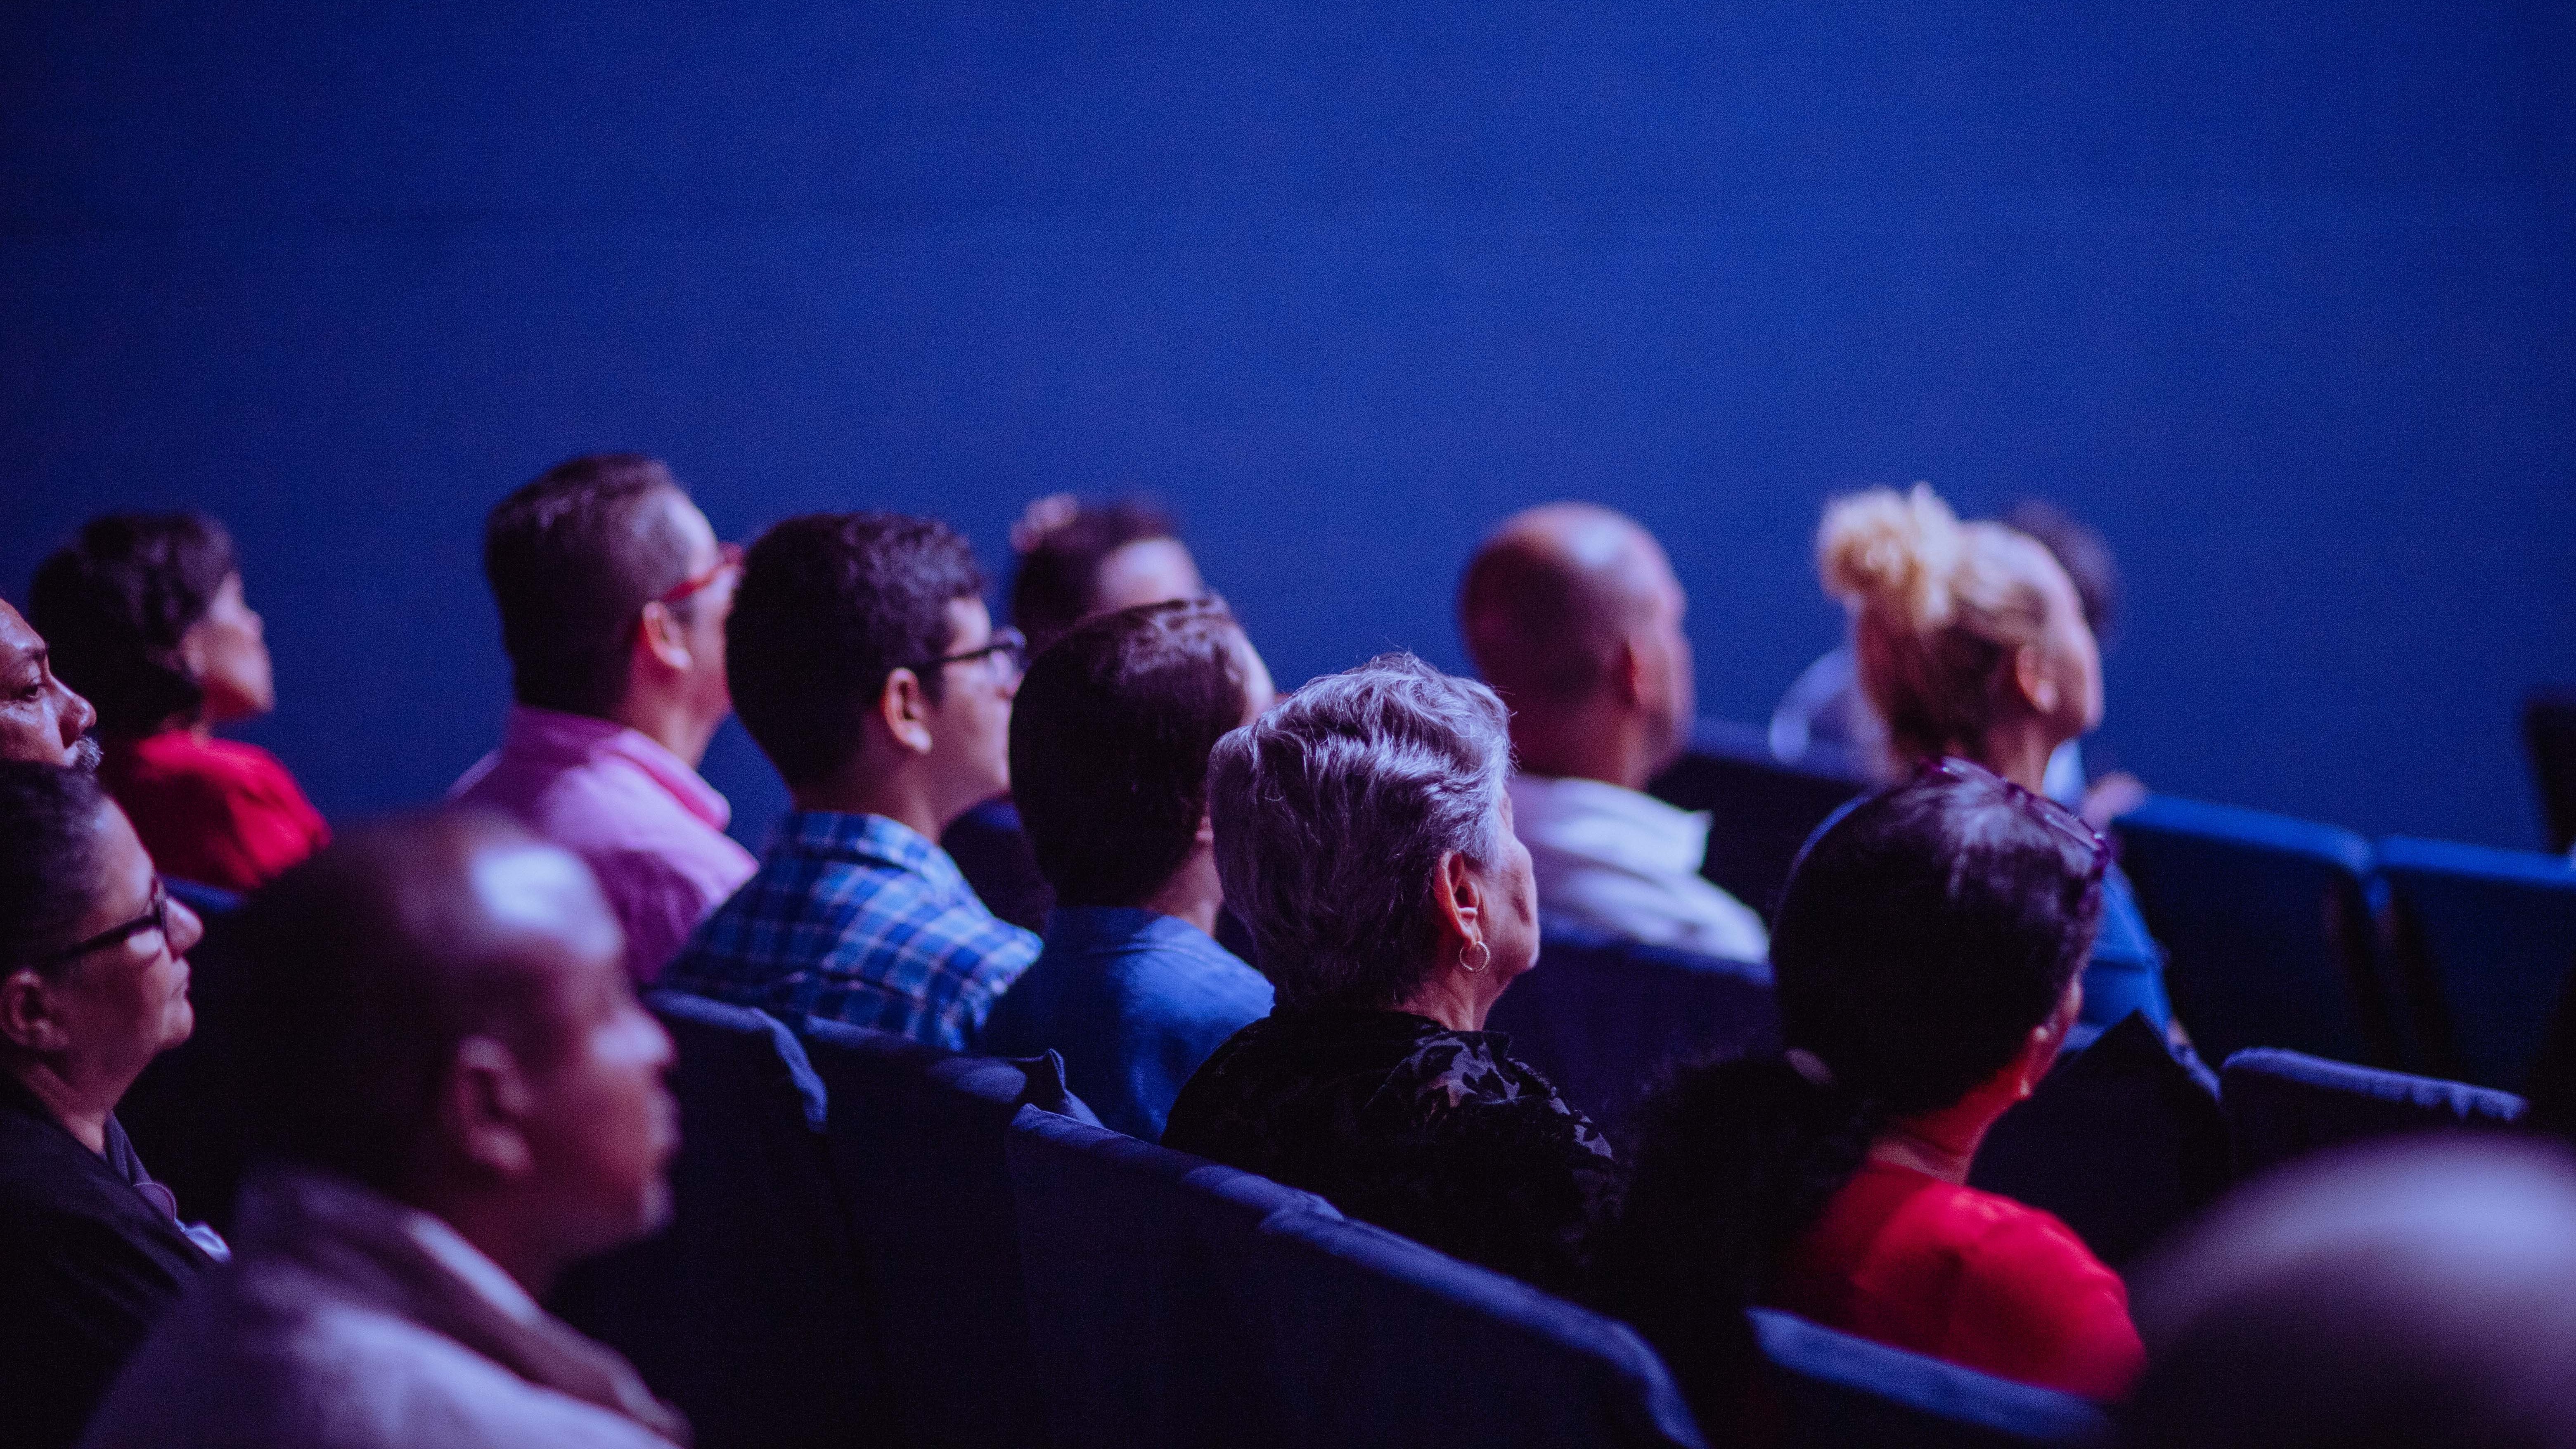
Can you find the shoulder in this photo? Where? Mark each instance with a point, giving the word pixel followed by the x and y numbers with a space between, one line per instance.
pixel 2028 1286
pixel 1467 1085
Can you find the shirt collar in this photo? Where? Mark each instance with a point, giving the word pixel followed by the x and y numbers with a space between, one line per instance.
pixel 1093 928
pixel 1601 821
pixel 864 840
pixel 533 730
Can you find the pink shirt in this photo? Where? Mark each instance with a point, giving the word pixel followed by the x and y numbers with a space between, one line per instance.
pixel 649 827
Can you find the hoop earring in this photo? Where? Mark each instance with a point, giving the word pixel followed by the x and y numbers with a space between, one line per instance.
pixel 1484 957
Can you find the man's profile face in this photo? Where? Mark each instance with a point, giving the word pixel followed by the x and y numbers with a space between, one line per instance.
pixel 707 608
pixel 971 725
pixel 41 719
pixel 1674 698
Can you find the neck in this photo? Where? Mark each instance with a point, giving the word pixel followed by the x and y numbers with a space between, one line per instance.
pixel 901 795
pixel 1193 894
pixel 667 722
pixel 2019 752
pixel 1940 1144
pixel 1452 998
pixel 498 1231
pixel 82 1108
pixel 1590 740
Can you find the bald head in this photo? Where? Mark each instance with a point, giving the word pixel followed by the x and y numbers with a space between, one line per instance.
pixel 367 967
pixel 1572 613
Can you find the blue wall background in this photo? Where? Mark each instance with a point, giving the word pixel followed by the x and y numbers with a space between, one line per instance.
pixel 2276 292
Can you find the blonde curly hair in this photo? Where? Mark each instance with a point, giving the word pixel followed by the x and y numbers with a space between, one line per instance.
pixel 1940 610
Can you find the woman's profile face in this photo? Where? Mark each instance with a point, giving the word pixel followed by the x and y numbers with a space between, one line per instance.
pixel 2070 655
pixel 127 1001
pixel 227 650
pixel 1511 902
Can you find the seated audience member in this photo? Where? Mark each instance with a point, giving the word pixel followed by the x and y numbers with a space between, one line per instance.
pixel 457 1097
pixel 1110 737
pixel 146 617
pixel 1364 835
pixel 1926 957
pixel 865 666
pixel 613 594
pixel 1574 616
pixel 95 985
pixel 1827 707
pixel 1076 559
pixel 1971 642
pixel 42 720
pixel 2415 1295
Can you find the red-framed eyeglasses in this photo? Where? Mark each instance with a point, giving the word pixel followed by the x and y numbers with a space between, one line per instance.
pixel 728 560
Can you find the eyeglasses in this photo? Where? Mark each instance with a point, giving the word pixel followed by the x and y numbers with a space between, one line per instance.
pixel 728 559
pixel 1006 654
pixel 2039 807
pixel 156 917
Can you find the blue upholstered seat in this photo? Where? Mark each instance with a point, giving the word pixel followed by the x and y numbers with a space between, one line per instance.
pixel 916 1147
pixel 1834 1391
pixel 1139 1329
pixel 207 901
pixel 2488 941
pixel 2266 925
pixel 1374 1339
pixel 1763 809
pixel 749 1311
pixel 2281 1104
pixel 1599 1015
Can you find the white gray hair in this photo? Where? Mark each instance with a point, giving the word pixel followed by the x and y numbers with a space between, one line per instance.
pixel 1333 811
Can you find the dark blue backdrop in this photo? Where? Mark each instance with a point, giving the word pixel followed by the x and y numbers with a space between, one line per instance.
pixel 2278 292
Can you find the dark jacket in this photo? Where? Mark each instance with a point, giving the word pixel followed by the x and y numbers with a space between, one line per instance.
pixel 87 1262
pixel 1397 1120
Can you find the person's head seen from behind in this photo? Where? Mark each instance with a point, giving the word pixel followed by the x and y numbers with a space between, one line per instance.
pixel 146 617
pixel 437 1008
pixel 93 951
pixel 865 665
pixel 1971 638
pixel 1926 961
pixel 1110 736
pixel 613 592
pixel 1572 613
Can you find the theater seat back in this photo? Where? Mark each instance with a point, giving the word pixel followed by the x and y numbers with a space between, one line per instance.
pixel 1599 1016
pixel 1377 1340
pixel 2267 929
pixel 1760 809
pixel 916 1147
pixel 750 1311
pixel 2285 1104
pixel 2487 939
pixel 1138 1335
pixel 1833 1391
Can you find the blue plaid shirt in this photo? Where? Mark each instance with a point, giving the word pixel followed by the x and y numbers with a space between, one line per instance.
pixel 856 918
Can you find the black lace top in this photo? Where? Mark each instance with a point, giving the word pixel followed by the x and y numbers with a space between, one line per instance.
pixel 1397 1120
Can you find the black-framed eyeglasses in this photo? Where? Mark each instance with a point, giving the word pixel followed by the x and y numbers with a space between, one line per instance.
pixel 2039 807
pixel 1007 652
pixel 155 917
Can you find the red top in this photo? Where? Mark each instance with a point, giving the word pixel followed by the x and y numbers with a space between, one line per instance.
pixel 212 811
pixel 1909 1260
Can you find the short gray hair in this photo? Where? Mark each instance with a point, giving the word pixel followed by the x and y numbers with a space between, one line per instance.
pixel 1332 813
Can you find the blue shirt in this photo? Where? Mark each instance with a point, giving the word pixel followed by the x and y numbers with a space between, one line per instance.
pixel 1135 1000
pixel 856 918
pixel 2127 972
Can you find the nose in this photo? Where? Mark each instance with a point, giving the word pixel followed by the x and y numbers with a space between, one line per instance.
pixel 186 928
pixel 77 715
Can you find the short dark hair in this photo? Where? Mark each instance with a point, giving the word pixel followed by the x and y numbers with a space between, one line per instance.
pixel 351 993
pixel 50 861
pixel 114 603
pixel 1109 745
pixel 1056 584
pixel 830 604
pixel 1923 934
pixel 573 557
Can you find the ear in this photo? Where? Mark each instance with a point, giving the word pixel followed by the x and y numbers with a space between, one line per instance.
pixel 1206 837
pixel 1628 671
pixel 27 1018
pixel 905 709
pixel 193 650
pixel 483 1107
pixel 2032 677
pixel 661 637
pixel 1459 898
pixel 2047 1039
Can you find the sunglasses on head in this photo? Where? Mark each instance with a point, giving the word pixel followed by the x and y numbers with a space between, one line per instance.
pixel 2039 807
